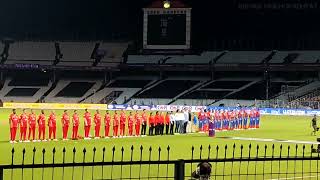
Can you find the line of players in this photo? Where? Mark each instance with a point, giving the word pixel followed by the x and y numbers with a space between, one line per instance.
pixel 136 123
pixel 230 119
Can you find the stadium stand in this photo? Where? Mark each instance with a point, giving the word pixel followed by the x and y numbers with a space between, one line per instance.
pixel 243 57
pixel 76 53
pixel 168 89
pixel 111 92
pixel 144 59
pixel 75 89
pixel 72 91
pixel 220 84
pixel 114 53
pixel 302 56
pixel 23 92
pixel 19 91
pixel 25 52
pixel 29 80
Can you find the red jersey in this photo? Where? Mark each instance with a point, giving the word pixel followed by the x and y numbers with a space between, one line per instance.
pixel 97 119
pixel 116 120
pixel 167 119
pixel 137 118
pixel 75 119
pixel 122 118
pixel 87 119
pixel 32 120
pixel 157 119
pixel 14 120
pixel 257 113
pixel 23 120
pixel 226 115
pixel 130 120
pixel 201 116
pixel 144 118
pixel 41 120
pixel 107 119
pixel 252 114
pixel 151 120
pixel 52 120
pixel 65 119
pixel 161 119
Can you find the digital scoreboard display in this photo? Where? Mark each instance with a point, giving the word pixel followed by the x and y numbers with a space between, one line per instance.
pixel 166 29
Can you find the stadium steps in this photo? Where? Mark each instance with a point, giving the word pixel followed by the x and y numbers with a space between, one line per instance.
pixel 237 90
pixel 300 91
pixel 101 88
pixel 195 87
pixel 147 87
pixel 53 86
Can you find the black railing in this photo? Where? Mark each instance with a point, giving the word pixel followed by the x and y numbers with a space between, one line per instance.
pixel 237 162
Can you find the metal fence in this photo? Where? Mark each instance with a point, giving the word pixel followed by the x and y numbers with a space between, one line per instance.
pixel 228 162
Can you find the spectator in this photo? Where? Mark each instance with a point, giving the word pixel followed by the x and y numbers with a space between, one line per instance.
pixel 203 171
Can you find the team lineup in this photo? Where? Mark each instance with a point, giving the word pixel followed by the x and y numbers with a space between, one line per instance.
pixel 157 123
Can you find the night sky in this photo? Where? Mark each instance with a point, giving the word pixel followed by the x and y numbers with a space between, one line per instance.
pixel 215 23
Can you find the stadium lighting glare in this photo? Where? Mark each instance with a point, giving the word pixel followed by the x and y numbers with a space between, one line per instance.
pixel 166 4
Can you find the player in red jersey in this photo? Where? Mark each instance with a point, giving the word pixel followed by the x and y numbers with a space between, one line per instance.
pixel 13 121
pixel 137 122
pixel 144 122
pixel 130 123
pixel 201 118
pixel 116 121
pixel 162 118
pixel 42 126
pixel 167 122
pixel 32 125
pixel 52 123
pixel 151 124
pixel 65 125
pixel 227 117
pixel 23 121
pixel 107 120
pixel 157 123
pixel 87 124
pixel 122 123
pixel 257 118
pixel 252 119
pixel 97 123
pixel 75 123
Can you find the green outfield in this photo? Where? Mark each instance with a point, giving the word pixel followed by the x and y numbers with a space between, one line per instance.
pixel 272 127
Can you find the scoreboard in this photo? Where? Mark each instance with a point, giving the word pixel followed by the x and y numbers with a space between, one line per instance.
pixel 167 28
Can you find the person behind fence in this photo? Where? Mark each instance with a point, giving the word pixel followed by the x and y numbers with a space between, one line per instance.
pixel 314 125
pixel 203 171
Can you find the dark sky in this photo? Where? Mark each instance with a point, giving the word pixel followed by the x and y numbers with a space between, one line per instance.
pixel 121 19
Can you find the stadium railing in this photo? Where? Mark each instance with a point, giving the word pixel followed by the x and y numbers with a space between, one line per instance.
pixel 238 162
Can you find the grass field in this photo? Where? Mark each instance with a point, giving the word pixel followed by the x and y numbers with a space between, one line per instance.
pixel 272 127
